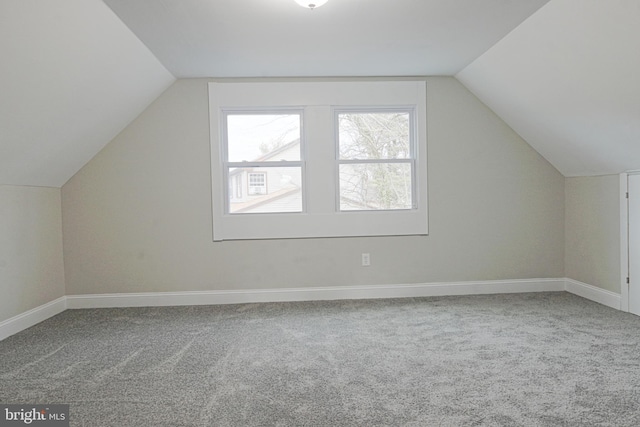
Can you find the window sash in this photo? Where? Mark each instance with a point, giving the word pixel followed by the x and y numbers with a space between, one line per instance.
pixel 277 192
pixel 267 111
pixel 412 160
pixel 227 165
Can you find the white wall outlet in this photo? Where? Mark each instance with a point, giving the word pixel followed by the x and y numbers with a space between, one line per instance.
pixel 366 260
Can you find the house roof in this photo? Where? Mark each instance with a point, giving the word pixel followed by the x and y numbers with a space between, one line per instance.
pixel 269 155
pixel 562 73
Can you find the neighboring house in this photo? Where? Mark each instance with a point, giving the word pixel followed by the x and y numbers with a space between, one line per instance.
pixel 268 189
pixel 276 189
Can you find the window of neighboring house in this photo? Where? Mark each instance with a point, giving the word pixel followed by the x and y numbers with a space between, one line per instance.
pixel 318 159
pixel 257 184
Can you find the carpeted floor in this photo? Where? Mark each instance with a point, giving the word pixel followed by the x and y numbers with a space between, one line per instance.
pixel 549 359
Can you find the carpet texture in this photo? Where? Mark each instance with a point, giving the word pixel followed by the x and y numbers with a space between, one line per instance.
pixel 544 359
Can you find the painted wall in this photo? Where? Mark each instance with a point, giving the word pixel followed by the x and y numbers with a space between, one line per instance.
pixel 31 266
pixel 137 218
pixel 592 229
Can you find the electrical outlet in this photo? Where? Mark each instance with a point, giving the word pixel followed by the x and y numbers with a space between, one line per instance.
pixel 366 260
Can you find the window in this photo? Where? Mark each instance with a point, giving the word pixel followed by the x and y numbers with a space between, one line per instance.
pixel 318 159
pixel 376 159
pixel 262 148
pixel 257 183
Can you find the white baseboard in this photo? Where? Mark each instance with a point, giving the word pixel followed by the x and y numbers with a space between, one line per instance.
pixel 32 317
pixel 157 299
pixel 312 294
pixel 593 293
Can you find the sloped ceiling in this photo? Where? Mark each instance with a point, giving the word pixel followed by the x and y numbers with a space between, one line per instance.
pixel 568 81
pixel 72 77
pixel 266 38
pixel 562 73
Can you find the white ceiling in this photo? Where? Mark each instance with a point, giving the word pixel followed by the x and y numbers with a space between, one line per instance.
pixel 265 38
pixel 72 77
pixel 568 81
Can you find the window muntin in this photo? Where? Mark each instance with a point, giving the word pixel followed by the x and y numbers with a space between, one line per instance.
pixel 263 149
pixel 376 159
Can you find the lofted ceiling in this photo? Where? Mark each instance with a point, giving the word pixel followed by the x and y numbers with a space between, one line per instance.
pixel 72 77
pixel 266 38
pixel 568 81
pixel 562 73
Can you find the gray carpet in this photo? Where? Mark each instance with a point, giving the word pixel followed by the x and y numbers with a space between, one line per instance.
pixel 550 359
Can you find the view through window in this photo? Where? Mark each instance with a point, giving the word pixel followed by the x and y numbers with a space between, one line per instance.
pixel 376 160
pixel 307 159
pixel 264 159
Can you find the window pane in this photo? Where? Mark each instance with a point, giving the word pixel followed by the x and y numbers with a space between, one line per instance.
pixel 374 135
pixel 263 137
pixel 266 189
pixel 375 186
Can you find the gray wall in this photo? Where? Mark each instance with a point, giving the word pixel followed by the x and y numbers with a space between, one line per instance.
pixel 592 229
pixel 137 217
pixel 31 267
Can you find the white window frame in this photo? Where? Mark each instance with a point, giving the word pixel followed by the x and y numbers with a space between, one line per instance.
pixel 411 110
pixel 228 165
pixel 318 100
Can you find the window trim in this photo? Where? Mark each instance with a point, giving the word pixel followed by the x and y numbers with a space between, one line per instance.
pixel 316 98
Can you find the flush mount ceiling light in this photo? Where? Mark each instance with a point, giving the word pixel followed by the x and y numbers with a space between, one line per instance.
pixel 311 4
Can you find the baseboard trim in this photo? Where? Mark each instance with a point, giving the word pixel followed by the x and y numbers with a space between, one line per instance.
pixel 312 294
pixel 32 317
pixel 158 299
pixel 593 293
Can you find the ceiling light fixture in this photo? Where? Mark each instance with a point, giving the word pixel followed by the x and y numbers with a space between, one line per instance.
pixel 311 4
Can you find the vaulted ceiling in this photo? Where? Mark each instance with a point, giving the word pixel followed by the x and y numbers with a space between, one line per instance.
pixel 562 73
pixel 568 81
pixel 72 77
pixel 265 38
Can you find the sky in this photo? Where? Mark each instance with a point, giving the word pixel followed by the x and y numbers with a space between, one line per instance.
pixel 246 132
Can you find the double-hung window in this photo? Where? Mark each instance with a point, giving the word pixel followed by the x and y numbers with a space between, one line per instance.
pixel 262 148
pixel 303 159
pixel 376 158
